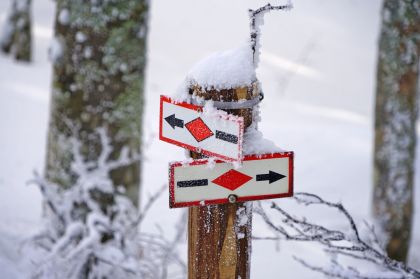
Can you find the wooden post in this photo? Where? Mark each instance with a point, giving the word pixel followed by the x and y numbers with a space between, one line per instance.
pixel 219 236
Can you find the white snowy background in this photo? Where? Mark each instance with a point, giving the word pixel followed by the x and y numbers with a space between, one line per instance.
pixel 317 69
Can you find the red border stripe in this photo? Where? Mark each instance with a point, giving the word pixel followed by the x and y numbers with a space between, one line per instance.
pixel 172 166
pixel 193 148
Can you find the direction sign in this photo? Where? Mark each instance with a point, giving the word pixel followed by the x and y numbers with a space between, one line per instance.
pixel 215 135
pixel 260 177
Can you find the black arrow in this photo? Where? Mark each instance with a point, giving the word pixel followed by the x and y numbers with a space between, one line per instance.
pixel 271 177
pixel 226 137
pixel 174 122
pixel 192 183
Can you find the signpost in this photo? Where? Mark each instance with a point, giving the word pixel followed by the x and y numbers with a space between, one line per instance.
pixel 219 222
pixel 260 177
pixel 216 135
pixel 219 236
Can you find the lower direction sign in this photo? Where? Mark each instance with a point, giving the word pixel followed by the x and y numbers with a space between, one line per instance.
pixel 260 177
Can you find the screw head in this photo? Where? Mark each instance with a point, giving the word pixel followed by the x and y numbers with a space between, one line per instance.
pixel 232 198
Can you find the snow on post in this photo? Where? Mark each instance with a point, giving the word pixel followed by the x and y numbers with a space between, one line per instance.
pixel 228 224
pixel 220 235
pixel 224 77
pixel 224 70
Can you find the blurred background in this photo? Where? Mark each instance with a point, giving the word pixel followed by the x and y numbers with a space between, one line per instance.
pixel 318 73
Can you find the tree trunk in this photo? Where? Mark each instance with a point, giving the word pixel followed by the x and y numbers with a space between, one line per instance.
pixel 395 119
pixel 219 236
pixel 99 56
pixel 17 37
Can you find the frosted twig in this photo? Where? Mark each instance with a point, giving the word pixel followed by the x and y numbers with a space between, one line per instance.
pixel 265 238
pixel 374 236
pixel 338 273
pixel 148 205
pixel 84 237
pixel 43 184
pixel 101 259
pixel 181 225
pixel 299 229
pixel 256 20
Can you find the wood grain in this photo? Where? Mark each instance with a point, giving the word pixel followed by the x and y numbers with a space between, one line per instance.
pixel 218 244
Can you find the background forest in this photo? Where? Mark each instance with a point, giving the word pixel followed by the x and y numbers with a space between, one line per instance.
pixel 318 71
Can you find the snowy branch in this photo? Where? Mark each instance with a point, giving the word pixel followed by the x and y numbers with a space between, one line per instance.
pixel 85 238
pixel 256 21
pixel 346 243
pixel 150 202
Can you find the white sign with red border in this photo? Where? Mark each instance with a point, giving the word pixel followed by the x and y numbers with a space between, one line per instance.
pixel 217 135
pixel 202 182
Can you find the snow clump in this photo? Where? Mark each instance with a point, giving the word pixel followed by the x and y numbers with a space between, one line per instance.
pixel 222 70
pixel 255 143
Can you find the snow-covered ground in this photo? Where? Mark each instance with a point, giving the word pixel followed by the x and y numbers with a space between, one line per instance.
pixel 318 74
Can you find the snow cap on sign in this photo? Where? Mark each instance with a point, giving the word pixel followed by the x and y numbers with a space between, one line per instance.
pixel 224 70
pixel 256 144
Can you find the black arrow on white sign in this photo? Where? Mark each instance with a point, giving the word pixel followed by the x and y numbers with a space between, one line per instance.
pixel 226 137
pixel 192 183
pixel 271 176
pixel 174 122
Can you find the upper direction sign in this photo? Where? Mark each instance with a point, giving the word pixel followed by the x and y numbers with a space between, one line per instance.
pixel 260 177
pixel 185 125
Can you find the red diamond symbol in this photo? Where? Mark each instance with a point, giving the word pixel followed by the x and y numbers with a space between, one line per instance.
pixel 232 180
pixel 199 129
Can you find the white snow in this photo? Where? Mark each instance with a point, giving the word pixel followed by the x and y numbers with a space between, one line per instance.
pixel 242 216
pixel 255 143
pixel 223 70
pixel 324 115
pixel 210 110
pixel 87 52
pixel 80 37
pixel 64 17
pixel 56 50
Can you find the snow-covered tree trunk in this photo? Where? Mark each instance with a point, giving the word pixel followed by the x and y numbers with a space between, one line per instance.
pixel 17 37
pixel 99 55
pixel 395 118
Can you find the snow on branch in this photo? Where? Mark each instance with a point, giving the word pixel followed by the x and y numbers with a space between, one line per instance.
pixel 85 238
pixel 256 21
pixel 338 244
